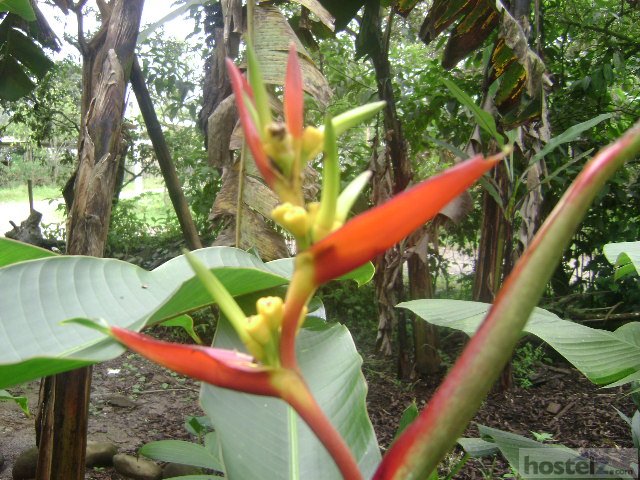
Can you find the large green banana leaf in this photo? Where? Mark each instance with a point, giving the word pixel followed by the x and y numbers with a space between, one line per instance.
pixel 603 357
pixel 37 295
pixel 262 437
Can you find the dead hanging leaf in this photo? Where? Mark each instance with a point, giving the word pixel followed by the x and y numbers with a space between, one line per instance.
pixel 518 69
pixel 442 15
pixel 470 33
pixel 404 7
pixel 322 13
pixel 273 35
pixel 219 131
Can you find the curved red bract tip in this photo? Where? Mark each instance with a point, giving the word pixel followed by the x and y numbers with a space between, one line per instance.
pixel 293 95
pixel 371 233
pixel 223 368
pixel 251 134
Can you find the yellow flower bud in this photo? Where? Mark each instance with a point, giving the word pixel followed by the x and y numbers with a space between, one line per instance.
pixel 278 144
pixel 292 217
pixel 254 348
pixel 312 142
pixel 272 309
pixel 258 329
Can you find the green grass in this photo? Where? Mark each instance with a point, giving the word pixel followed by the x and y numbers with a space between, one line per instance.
pixel 20 193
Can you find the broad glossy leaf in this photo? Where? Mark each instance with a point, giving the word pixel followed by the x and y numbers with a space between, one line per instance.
pixel 361 275
pixel 29 54
pixel 512 446
pixel 14 82
pixel 35 296
pixel 602 356
pixel 19 7
pixel 180 451
pixel 477 447
pixel 12 251
pixel 263 438
pixel 625 256
pixel 485 119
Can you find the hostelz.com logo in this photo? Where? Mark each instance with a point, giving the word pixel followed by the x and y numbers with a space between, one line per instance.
pixel 602 463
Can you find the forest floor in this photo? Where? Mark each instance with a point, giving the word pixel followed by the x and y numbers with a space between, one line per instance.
pixel 134 402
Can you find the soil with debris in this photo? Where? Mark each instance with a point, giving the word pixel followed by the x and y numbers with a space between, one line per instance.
pixel 134 402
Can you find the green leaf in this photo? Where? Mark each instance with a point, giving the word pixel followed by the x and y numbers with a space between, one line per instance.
pixel 512 446
pixel 196 477
pixel 37 295
pixel 22 402
pixel 409 415
pixel 625 256
pixel 29 54
pixel 179 451
pixel 19 7
pixel 569 135
pixel 485 119
pixel 14 82
pixel 12 251
pixel 477 447
pixel 274 442
pixel 361 275
pixel 185 322
pixel 602 356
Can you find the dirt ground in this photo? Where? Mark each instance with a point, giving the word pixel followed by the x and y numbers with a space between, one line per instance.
pixel 134 402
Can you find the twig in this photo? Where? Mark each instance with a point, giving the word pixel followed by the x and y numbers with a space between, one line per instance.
pixel 167 390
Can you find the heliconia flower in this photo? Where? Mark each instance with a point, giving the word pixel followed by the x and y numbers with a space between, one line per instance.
pixel 252 135
pixel 223 368
pixel 364 237
pixel 369 234
pixel 293 95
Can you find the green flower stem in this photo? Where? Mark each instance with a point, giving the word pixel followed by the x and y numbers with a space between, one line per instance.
pixel 257 85
pixel 350 194
pixel 355 116
pixel 428 439
pixel 221 296
pixel 295 392
pixel 330 184
pixel 299 293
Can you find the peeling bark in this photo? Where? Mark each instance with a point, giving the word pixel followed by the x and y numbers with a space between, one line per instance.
pixel 107 59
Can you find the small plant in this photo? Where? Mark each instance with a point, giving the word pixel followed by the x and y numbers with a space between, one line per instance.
pixel 526 358
pixel 542 436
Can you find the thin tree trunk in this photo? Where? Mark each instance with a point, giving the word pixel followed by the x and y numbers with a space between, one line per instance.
pixel 163 155
pixel 386 183
pixel 106 67
pixel 425 335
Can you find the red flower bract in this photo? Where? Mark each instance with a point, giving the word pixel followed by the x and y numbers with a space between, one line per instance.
pixel 364 237
pixel 251 134
pixel 223 368
pixel 293 95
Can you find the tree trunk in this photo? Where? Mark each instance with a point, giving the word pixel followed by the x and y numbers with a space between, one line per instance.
pixel 388 181
pixel 493 252
pixel 425 335
pixel 163 155
pixel 107 63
